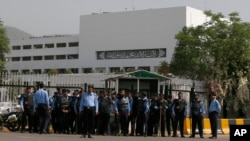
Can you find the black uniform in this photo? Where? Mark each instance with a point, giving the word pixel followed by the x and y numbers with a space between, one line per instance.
pixel 154 117
pixel 27 102
pixel 104 114
pixel 179 110
pixel 197 109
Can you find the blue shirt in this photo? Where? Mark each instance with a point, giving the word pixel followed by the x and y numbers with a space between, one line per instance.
pixel 145 105
pixel 41 97
pixel 89 100
pixel 214 106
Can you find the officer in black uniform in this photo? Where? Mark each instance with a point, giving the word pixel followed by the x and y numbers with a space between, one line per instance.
pixel 169 117
pixel 179 112
pixel 62 107
pixel 72 115
pixel 104 112
pixel 197 112
pixel 163 103
pixel 26 102
pixel 79 117
pixel 154 116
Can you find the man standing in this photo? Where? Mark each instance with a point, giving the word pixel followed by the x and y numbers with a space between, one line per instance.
pixel 214 111
pixel 169 117
pixel 197 112
pixel 41 106
pixel 122 108
pixel 26 102
pixel 89 108
pixel 179 112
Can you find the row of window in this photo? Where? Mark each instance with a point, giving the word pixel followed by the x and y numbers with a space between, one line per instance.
pixel 84 70
pixel 47 57
pixel 49 45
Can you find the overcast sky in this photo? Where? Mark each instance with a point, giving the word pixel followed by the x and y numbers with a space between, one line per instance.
pixel 47 17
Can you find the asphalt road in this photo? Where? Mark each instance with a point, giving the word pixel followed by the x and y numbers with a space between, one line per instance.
pixel 17 136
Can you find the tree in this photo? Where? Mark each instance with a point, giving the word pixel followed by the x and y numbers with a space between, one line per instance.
pixel 4 46
pixel 164 68
pixel 217 52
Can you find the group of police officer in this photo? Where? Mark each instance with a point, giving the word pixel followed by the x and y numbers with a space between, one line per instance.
pixel 88 113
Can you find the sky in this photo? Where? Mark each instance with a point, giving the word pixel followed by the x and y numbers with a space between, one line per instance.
pixel 50 17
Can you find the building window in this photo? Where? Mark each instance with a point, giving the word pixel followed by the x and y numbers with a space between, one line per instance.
pixel 25 71
pixel 61 45
pixel 129 69
pixel 27 47
pixel 73 56
pixel 38 71
pixel 16 47
pixel 73 44
pixel 15 58
pixel 60 57
pixel 37 58
pixel 49 45
pixel 49 57
pixel 114 69
pixel 87 70
pixel 27 58
pixel 38 46
pixel 144 68
pixel 14 71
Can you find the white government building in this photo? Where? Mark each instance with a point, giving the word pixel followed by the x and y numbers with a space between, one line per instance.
pixel 107 42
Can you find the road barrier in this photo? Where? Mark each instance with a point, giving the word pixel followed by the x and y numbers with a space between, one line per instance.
pixel 223 125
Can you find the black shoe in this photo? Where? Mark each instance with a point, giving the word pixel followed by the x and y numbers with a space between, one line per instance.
pixel 89 136
pixel 182 136
pixel 202 137
pixel 175 135
pixel 213 137
pixel 192 136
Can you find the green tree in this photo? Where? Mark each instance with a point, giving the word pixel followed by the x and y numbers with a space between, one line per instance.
pixel 164 68
pixel 4 45
pixel 217 52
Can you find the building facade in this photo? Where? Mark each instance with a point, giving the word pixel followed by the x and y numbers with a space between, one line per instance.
pixel 107 42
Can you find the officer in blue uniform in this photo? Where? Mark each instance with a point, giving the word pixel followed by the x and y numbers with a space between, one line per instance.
pixel 41 106
pixel 89 108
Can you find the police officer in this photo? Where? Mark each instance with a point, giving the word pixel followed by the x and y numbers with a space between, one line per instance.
pixel 197 112
pixel 154 116
pixel 41 106
pixel 163 103
pixel 214 111
pixel 169 117
pixel 179 112
pixel 26 102
pixel 78 122
pixel 89 108
pixel 122 107
pixel 134 112
pixel 104 112
pixel 72 115
pixel 143 113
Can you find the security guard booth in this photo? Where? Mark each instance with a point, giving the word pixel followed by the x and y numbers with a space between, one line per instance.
pixel 137 81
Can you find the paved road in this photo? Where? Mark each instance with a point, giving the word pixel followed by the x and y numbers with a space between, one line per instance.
pixel 16 136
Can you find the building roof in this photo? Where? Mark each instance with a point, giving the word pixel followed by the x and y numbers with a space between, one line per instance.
pixel 139 74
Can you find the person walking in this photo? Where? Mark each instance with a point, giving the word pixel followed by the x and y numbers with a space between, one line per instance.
pixel 214 111
pixel 197 112
pixel 89 108
pixel 41 106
